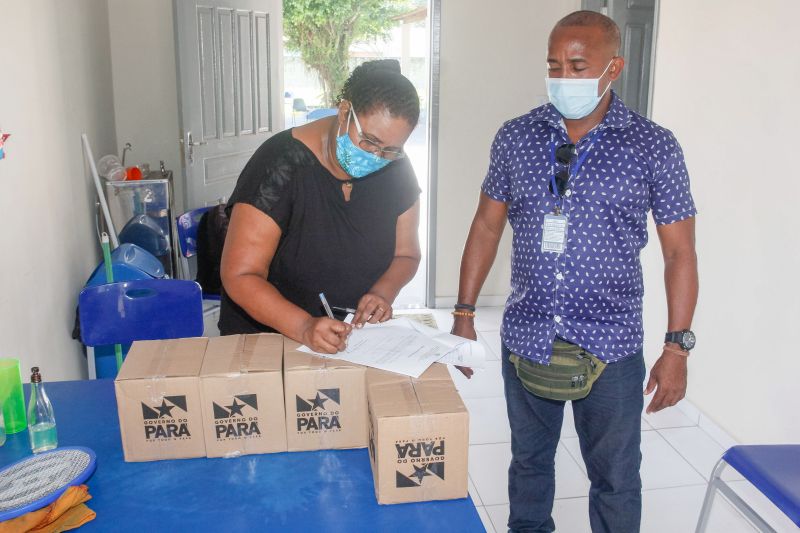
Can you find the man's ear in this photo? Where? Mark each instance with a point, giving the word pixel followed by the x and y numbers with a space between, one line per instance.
pixel 615 70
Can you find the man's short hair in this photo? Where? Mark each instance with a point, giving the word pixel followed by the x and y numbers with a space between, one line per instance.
pixel 593 19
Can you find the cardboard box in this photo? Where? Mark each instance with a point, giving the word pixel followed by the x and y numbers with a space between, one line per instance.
pixel 158 400
pixel 241 389
pixel 419 437
pixel 436 371
pixel 326 401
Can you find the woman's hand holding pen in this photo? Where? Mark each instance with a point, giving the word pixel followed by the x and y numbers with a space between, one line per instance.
pixel 325 335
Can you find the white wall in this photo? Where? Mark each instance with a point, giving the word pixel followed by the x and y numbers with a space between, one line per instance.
pixel 55 83
pixel 492 70
pixel 142 39
pixel 726 82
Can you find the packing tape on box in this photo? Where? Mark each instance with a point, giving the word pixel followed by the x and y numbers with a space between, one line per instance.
pixel 156 385
pixel 238 371
pixel 420 428
pixel 424 428
pixel 321 380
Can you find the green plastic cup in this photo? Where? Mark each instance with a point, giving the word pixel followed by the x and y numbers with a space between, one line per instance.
pixel 11 396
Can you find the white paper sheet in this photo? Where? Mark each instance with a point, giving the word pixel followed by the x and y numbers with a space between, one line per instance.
pixel 407 347
pixel 390 347
pixel 462 352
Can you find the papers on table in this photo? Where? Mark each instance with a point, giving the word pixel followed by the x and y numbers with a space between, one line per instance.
pixel 407 347
pixel 462 352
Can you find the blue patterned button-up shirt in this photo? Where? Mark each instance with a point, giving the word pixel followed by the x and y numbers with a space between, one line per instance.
pixel 591 294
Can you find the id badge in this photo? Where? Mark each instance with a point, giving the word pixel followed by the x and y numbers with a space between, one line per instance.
pixel 554 233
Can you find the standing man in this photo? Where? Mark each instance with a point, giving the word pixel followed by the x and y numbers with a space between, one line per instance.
pixel 575 179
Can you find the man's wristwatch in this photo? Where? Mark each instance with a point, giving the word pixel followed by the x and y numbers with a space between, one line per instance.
pixel 685 339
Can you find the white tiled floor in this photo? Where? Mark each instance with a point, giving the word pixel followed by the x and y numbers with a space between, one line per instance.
pixel 678 457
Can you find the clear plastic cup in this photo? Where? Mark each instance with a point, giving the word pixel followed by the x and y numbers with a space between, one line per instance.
pixel 110 167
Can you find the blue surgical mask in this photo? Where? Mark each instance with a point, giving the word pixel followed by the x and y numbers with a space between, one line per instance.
pixel 354 160
pixel 575 98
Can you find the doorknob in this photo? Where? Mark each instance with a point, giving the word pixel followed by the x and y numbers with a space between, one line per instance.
pixel 191 144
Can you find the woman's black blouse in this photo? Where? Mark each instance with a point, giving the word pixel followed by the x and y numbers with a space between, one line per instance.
pixel 327 244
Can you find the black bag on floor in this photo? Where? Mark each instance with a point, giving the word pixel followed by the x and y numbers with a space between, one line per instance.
pixel 211 233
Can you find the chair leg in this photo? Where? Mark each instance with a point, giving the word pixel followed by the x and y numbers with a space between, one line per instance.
pixel 711 491
pixel 185 274
pixel 745 509
pixel 92 369
pixel 210 311
pixel 716 484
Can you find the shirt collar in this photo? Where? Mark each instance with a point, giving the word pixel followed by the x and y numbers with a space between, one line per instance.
pixel 617 116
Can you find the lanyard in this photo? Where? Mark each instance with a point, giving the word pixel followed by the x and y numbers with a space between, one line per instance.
pixel 573 171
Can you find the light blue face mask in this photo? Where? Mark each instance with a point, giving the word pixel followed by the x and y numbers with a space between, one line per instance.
pixel 355 160
pixel 575 97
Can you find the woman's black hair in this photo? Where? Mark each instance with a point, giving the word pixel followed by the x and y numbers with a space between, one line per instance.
pixel 379 83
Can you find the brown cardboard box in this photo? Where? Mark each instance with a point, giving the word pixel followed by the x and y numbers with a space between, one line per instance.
pixel 158 400
pixel 419 437
pixel 241 389
pixel 436 371
pixel 326 403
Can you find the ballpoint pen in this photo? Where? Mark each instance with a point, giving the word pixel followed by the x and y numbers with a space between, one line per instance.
pixel 325 305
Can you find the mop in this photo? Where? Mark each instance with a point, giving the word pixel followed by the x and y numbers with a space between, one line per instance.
pixel 99 187
pixel 110 279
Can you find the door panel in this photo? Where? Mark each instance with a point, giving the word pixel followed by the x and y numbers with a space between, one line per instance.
pixel 635 19
pixel 229 61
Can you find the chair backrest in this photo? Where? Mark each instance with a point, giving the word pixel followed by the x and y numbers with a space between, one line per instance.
pixel 145 231
pixel 129 262
pixel 298 104
pixel 322 113
pixel 120 313
pixel 187 230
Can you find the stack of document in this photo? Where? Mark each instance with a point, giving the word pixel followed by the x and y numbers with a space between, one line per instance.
pixel 407 347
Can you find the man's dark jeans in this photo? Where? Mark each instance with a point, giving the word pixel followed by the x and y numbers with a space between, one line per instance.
pixel 608 422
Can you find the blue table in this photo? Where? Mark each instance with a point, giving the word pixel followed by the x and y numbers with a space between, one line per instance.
pixel 305 491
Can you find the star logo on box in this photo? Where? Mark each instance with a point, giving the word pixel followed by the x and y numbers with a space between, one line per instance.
pixel 165 409
pixel 408 478
pixel 163 421
pixel 318 402
pixel 235 408
pixel 237 420
pixel 320 413
pixel 425 458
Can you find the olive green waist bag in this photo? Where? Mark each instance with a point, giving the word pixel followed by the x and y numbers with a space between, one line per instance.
pixel 569 376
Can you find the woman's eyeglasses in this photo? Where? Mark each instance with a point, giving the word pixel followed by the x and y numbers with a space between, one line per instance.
pixel 371 146
pixel 564 155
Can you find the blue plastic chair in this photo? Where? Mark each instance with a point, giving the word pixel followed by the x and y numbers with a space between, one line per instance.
pixel 321 113
pixel 187 225
pixel 121 313
pixel 772 469
pixel 129 262
pixel 144 231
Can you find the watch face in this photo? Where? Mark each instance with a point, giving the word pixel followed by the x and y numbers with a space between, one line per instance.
pixel 688 340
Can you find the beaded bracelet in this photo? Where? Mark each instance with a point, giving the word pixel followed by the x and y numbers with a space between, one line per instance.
pixel 468 314
pixel 684 353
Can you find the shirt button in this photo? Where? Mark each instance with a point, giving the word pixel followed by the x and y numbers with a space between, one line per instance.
pixel 557 319
pixel 568 193
pixel 559 276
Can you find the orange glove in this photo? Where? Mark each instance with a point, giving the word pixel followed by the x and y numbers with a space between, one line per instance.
pixel 67 512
